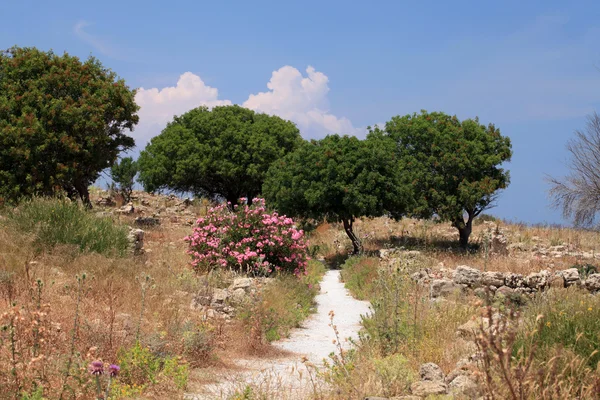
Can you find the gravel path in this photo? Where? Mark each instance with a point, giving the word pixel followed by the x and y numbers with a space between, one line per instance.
pixel 288 378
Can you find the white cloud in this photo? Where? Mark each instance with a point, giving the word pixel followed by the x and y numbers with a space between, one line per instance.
pixel 157 107
pixel 291 96
pixel 302 100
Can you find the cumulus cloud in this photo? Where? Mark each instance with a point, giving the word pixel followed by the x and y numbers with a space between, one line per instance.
pixel 302 100
pixel 157 107
pixel 291 96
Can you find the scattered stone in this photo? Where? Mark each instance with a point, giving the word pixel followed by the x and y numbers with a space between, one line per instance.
pixel 538 280
pixel 136 241
pixel 241 283
pixel 513 280
pixel 147 221
pixel 105 202
pixel 468 330
pixel 467 276
pixel 492 279
pixel 428 388
pixel 431 372
pixel 464 386
pixel 443 287
pixel 219 295
pixel 592 283
pixel 128 209
pixel 570 276
pixel 499 244
pixel 505 291
pixel 238 296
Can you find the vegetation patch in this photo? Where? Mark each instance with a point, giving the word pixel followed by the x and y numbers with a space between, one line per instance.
pixel 62 222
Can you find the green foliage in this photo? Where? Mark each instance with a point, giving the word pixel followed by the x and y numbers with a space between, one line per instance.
pixel 453 166
pixel 338 178
pixel 140 368
pixel 61 122
pixel 123 175
pixel 223 152
pixel 58 221
pixel 571 319
pixel 359 275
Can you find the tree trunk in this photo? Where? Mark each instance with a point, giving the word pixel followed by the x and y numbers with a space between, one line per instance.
pixel 355 242
pixel 464 230
pixel 84 194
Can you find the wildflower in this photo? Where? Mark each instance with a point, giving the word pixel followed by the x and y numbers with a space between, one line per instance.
pixel 96 368
pixel 548 324
pixel 113 370
pixel 589 308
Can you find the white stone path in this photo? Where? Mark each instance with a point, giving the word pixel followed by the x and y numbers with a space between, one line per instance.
pixel 287 378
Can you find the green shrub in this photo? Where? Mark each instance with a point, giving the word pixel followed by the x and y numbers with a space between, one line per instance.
pixel 58 221
pixel 571 320
pixel 141 368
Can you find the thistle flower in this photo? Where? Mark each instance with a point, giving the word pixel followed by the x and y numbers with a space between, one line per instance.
pixel 113 370
pixel 96 368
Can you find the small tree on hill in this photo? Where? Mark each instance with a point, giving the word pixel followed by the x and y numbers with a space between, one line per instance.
pixel 62 122
pixel 339 179
pixel 223 152
pixel 123 175
pixel 453 166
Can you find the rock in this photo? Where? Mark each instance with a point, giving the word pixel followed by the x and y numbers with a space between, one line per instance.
pixel 146 221
pixel 499 245
pixel 467 276
pixel 443 287
pixel 570 276
pixel 241 283
pixel 431 372
pixel 421 276
pixel 375 398
pixel 464 366
pixel 409 397
pixel 219 296
pixel 537 280
pixel 504 291
pixel 128 209
pixel 136 240
pixel 556 281
pixel 428 388
pixel 238 296
pixel 592 283
pixel 513 280
pixel 492 279
pixel 469 330
pixel 105 202
pixel 463 385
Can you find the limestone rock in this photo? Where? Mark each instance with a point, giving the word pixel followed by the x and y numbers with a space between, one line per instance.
pixel 592 283
pixel 431 372
pixel 238 296
pixel 146 221
pixel 241 283
pixel 570 276
pixel 492 279
pixel 538 280
pixel 505 291
pixel 219 296
pixel 136 240
pixel 467 276
pixel 443 287
pixel 499 245
pixel 128 209
pixel 513 280
pixel 463 385
pixel 428 388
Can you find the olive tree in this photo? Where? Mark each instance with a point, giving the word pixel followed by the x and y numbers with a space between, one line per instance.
pixel 455 167
pixel 62 121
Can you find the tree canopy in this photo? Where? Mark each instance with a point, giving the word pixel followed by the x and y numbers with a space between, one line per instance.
pixel 454 167
pixel 223 152
pixel 62 122
pixel 338 178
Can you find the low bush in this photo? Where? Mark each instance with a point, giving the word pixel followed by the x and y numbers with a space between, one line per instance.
pixel 248 240
pixel 58 221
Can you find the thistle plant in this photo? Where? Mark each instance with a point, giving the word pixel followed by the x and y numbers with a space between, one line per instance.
pixel 96 369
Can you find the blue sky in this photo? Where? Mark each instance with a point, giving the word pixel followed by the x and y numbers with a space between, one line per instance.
pixel 532 68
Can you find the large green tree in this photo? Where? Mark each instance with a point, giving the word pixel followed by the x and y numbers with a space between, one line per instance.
pixel 224 152
pixel 338 178
pixel 454 166
pixel 62 122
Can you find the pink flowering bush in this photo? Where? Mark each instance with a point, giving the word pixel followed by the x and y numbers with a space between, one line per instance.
pixel 248 240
